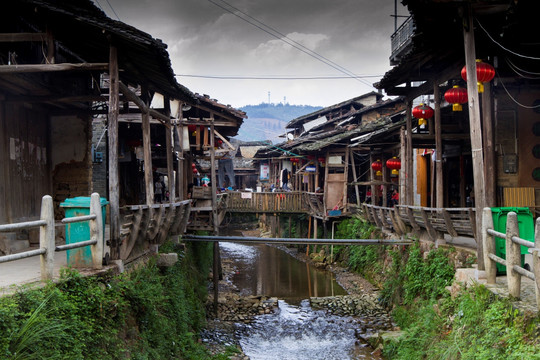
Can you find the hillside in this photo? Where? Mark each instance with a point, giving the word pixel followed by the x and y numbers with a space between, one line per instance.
pixel 267 121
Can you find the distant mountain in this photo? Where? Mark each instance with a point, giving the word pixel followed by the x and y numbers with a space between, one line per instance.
pixel 267 121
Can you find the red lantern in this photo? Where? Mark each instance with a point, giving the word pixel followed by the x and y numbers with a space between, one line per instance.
pixel 484 73
pixel 376 166
pixel 456 96
pixel 193 166
pixel 422 112
pixel 321 159
pixel 192 127
pixel 393 163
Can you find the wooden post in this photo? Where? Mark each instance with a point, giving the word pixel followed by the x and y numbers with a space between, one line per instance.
pixel 439 181
pixel 384 178
pixel 489 246
pixel 147 150
pixel 513 255
pixel 50 48
pixel 114 196
pixel 372 178
pixel 345 201
pixel 182 189
pixel 326 172
pixel 475 128
pixel 409 157
pixel 353 164
pixel 169 145
pixel 46 238
pixel 403 155
pixel 215 276
pixel 489 146
pixel 96 231
pixel 213 180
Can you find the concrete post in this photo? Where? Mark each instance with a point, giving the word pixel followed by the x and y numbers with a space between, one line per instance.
pixel 513 255
pixel 489 246
pixel 96 231
pixel 536 261
pixel 46 238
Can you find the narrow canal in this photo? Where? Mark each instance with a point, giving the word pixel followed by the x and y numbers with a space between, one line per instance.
pixel 294 330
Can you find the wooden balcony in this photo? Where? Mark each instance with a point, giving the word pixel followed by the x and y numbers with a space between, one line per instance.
pixel 266 202
pixel 436 221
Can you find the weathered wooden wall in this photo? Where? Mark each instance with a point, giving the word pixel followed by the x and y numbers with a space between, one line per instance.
pixel 70 158
pixel 24 162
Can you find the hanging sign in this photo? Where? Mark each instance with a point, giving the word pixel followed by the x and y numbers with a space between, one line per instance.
pixel 310 168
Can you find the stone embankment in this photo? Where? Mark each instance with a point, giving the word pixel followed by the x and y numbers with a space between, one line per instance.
pixel 365 307
pixel 236 308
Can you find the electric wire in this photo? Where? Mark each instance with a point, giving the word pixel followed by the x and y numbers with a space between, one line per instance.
pixel 513 99
pixel 520 71
pixel 291 43
pixel 232 77
pixel 502 46
pixel 348 72
pixel 283 36
pixel 113 10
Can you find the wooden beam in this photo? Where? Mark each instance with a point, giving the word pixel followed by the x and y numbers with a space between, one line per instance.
pixel 22 37
pixel 114 195
pixel 35 68
pixel 131 96
pixel 207 123
pixel 224 116
pixel 475 128
pixel 224 140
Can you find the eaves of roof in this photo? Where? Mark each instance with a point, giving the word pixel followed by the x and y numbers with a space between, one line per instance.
pixel 87 31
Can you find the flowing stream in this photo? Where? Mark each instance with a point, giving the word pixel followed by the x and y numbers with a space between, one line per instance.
pixel 295 330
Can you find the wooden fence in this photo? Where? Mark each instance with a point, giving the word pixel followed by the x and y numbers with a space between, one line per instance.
pixel 267 202
pixel 453 221
pixel 47 247
pixel 513 242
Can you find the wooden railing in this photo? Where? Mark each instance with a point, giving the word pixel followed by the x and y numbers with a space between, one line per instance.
pixel 266 202
pixel 47 246
pixel 453 221
pixel 144 224
pixel 514 269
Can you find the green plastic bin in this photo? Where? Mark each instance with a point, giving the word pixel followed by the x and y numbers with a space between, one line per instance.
pixel 80 231
pixel 525 226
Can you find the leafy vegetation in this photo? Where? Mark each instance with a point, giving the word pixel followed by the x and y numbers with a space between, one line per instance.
pixel 148 313
pixel 475 324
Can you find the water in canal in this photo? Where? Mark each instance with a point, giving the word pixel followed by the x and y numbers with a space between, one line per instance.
pixel 295 331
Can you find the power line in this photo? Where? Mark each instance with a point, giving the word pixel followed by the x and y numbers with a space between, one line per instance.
pixel 502 46
pixel 289 41
pixel 113 10
pixel 277 77
pixel 342 69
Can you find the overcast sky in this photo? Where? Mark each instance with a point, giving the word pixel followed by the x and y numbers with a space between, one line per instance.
pixel 206 40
